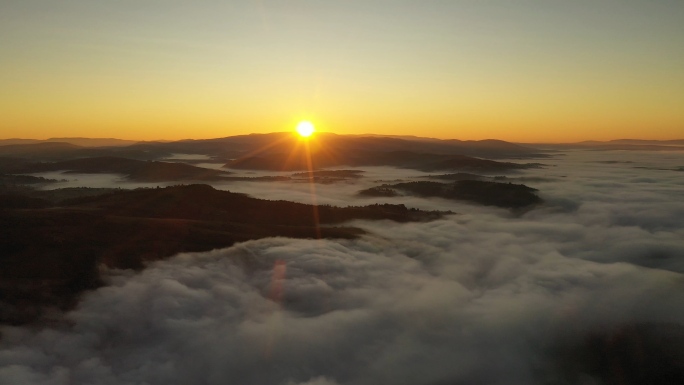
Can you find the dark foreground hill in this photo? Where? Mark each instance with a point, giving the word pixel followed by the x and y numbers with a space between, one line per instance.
pixel 507 195
pixel 50 253
pixel 627 354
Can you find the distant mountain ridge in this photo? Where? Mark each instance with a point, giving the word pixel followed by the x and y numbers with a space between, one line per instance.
pixel 617 144
pixel 302 160
pixel 137 170
pixel 638 141
pixel 235 146
pixel 23 148
pixel 84 142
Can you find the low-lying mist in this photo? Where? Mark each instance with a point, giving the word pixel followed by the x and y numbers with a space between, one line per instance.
pixel 485 296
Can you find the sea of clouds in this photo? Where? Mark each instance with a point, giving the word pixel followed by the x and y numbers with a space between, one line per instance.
pixel 484 296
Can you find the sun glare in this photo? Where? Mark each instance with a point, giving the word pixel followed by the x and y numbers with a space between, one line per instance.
pixel 305 129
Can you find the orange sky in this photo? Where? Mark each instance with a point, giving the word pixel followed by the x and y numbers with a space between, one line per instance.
pixel 508 70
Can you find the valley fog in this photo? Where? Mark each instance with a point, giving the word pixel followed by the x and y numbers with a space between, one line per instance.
pixel 486 295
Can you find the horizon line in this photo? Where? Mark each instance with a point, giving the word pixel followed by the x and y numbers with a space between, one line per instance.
pixel 53 139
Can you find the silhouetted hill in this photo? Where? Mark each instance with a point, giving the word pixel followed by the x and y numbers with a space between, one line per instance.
pixel 283 143
pixel 95 142
pixel 42 148
pixel 506 195
pixel 458 176
pixel 85 142
pixel 56 151
pixel 50 253
pixel 630 354
pixel 144 171
pixel 279 162
pixel 17 200
pixel 379 191
pixel 403 159
pixel 56 196
pixel 480 148
pixel 327 176
pixel 279 142
pixel 341 149
pixel 10 180
pixel 642 141
pixel 330 174
pixel 203 202
pixel 460 162
pixel 618 144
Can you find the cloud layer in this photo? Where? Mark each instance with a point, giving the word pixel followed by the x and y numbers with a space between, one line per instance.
pixel 484 296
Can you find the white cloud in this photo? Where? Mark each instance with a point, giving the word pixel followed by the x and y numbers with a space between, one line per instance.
pixel 479 297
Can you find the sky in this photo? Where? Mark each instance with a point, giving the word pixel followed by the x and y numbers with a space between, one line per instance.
pixel 527 71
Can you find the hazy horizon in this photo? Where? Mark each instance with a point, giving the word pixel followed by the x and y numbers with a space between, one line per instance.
pixel 329 132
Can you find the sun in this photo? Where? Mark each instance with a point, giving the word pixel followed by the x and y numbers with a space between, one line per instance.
pixel 305 129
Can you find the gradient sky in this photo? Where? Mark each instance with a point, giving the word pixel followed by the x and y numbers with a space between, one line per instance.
pixel 514 70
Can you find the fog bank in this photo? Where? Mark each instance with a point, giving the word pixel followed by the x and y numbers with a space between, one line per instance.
pixel 485 296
